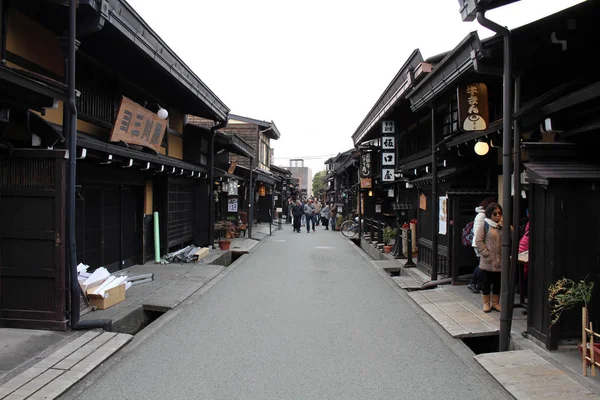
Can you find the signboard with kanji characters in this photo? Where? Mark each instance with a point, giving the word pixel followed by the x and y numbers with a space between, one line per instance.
pixel 232 187
pixel 365 165
pixel 387 175
pixel 232 205
pixel 365 170
pixel 388 143
pixel 473 114
pixel 388 127
pixel 388 158
pixel 138 125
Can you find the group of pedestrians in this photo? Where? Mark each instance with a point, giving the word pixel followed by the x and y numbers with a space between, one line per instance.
pixel 310 213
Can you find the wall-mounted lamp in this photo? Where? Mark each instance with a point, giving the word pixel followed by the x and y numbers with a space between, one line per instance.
pixel 482 147
pixel 162 113
pixel 370 193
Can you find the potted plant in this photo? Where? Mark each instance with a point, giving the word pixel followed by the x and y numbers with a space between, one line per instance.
pixel 225 230
pixel 389 234
pixel 566 294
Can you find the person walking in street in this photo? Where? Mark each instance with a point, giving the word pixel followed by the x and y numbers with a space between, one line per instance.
pixel 297 213
pixel 318 207
pixel 477 279
pixel 288 211
pixel 489 244
pixel 309 211
pixel 303 219
pixel 332 216
pixel 325 216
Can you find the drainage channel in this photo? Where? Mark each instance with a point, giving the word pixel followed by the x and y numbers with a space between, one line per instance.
pixel 144 315
pixel 482 344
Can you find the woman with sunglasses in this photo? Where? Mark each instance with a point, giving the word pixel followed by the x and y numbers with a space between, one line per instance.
pixel 489 244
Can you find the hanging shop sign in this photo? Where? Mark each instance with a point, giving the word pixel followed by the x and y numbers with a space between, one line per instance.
pixel 138 125
pixel 365 171
pixel 443 215
pixel 232 167
pixel 473 113
pixel 232 205
pixel 388 143
pixel 388 127
pixel 388 158
pixel 423 202
pixel 232 187
pixel 387 174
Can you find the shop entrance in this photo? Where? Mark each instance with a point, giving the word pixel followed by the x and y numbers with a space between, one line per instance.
pixel 109 226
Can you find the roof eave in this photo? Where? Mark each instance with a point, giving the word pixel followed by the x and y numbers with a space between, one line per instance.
pixel 389 97
pixel 120 14
pixel 456 63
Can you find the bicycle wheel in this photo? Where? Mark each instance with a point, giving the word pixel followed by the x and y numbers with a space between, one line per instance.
pixel 348 229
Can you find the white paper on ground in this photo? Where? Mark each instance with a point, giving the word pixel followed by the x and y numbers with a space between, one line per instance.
pixel 112 284
pixel 82 268
pixel 84 275
pixel 104 284
pixel 99 275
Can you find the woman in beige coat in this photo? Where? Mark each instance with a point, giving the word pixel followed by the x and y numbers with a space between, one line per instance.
pixel 489 244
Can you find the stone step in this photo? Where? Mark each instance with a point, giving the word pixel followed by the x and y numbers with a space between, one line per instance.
pixel 56 373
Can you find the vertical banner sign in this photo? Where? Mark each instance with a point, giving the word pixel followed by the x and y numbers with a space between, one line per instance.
pixel 443 223
pixel 138 125
pixel 473 113
pixel 388 127
pixel 388 157
pixel 365 170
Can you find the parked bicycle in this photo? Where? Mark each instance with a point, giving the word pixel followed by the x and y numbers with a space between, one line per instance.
pixel 349 228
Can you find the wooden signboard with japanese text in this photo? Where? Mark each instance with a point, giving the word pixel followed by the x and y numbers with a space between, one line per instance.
pixel 138 125
pixel 473 113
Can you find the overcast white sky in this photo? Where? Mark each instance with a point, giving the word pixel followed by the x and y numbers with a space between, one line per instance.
pixel 314 68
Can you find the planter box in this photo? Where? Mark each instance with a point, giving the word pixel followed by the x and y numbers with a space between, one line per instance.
pixel 596 352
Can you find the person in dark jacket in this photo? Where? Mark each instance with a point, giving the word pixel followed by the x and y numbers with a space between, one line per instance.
pixel 297 213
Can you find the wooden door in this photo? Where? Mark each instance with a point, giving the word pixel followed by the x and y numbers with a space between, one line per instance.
pixel 33 285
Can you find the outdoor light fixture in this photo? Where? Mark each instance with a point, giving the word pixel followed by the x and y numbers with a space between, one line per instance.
pixel 162 113
pixel 370 193
pixel 482 147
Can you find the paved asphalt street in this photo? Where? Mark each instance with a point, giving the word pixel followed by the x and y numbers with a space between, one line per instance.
pixel 306 316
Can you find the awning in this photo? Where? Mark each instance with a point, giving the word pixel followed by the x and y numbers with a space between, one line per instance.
pixel 233 143
pixel 471 192
pixel 442 175
pixel 416 163
pixel 221 173
pixel 466 137
pixel 25 89
pixel 262 176
pixel 543 173
pixel 157 161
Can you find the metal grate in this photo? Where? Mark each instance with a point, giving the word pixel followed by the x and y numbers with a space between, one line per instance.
pixel 27 174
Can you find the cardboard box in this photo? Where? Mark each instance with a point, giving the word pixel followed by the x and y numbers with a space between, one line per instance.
pixel 111 297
